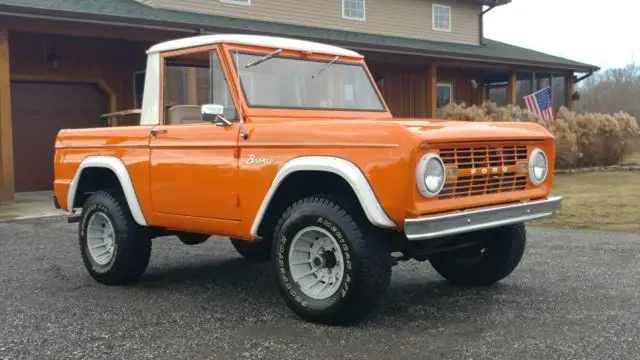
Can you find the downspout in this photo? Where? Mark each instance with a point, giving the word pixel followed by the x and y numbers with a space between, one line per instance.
pixel 482 23
pixel 583 77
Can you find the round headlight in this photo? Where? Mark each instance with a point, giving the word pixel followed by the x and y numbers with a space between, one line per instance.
pixel 430 175
pixel 538 166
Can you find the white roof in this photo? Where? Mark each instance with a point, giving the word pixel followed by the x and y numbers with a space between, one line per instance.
pixel 256 40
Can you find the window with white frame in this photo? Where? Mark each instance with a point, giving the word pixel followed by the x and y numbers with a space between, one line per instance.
pixel 237 2
pixel 353 9
pixel 444 94
pixel 441 17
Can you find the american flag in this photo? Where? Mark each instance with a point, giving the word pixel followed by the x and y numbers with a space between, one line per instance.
pixel 540 103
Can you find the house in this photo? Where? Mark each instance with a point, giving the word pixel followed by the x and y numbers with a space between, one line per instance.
pixel 64 63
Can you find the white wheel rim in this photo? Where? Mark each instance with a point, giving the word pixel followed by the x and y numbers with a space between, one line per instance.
pixel 316 262
pixel 100 238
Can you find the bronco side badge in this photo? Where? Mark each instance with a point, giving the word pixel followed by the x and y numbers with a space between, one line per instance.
pixel 255 160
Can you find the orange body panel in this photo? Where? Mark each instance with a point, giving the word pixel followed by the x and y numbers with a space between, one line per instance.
pixel 196 177
pixel 199 185
pixel 194 171
pixel 129 144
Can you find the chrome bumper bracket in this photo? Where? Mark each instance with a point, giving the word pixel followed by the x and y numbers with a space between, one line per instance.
pixel 435 226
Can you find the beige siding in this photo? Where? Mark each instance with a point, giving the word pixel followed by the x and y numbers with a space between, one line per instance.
pixel 404 18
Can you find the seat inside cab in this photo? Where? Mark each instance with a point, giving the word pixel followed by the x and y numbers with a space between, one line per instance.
pixel 193 80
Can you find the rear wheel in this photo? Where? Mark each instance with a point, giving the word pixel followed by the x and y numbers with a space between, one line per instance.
pixel 331 266
pixel 114 248
pixel 495 256
pixel 253 250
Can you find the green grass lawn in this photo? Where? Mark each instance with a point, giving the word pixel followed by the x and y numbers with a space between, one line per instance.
pixel 598 200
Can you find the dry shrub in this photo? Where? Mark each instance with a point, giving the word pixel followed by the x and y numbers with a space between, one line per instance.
pixel 630 133
pixel 462 112
pixel 633 147
pixel 589 139
pixel 568 153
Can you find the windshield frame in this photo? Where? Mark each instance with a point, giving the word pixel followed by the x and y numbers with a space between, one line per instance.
pixel 260 109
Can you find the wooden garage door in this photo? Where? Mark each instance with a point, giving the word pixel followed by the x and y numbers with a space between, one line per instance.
pixel 38 112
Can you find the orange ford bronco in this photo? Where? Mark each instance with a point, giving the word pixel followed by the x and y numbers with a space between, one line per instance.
pixel 288 148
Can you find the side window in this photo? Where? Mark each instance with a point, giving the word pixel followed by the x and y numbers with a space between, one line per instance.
pixel 220 89
pixel 138 88
pixel 444 94
pixel 193 80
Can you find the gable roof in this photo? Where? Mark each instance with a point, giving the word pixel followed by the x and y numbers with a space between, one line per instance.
pixel 132 12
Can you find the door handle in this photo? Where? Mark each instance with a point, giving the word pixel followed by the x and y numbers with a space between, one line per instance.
pixel 153 132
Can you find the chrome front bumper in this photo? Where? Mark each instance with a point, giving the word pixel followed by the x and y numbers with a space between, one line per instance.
pixel 435 226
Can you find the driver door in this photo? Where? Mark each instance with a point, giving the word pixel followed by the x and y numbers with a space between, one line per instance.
pixel 193 164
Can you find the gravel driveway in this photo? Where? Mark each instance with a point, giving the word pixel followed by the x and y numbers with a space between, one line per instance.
pixel 575 296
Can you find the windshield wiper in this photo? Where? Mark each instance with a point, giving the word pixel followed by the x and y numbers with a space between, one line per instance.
pixel 324 67
pixel 262 59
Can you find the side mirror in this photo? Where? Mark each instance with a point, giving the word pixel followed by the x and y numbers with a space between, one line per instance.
pixel 210 112
pixel 213 113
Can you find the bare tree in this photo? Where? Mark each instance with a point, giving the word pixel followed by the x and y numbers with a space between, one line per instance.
pixel 610 91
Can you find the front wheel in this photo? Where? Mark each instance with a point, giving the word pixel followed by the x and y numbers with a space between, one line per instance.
pixel 331 267
pixel 497 253
pixel 114 248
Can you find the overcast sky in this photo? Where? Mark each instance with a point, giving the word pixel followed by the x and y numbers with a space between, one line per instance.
pixel 603 33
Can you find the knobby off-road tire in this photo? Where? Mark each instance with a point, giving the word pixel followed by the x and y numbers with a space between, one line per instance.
pixel 126 247
pixel 193 238
pixel 498 254
pixel 253 250
pixel 316 223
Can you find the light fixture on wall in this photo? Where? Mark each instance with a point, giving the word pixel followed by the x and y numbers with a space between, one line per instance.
pixel 52 61
pixel 575 96
pixel 474 83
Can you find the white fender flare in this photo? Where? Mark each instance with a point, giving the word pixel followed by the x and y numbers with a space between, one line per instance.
pixel 341 167
pixel 120 170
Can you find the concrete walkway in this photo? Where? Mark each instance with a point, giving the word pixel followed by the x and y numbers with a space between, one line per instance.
pixel 30 205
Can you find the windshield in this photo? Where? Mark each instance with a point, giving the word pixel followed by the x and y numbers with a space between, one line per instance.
pixel 302 83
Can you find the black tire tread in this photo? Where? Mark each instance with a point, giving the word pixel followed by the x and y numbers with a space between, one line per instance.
pixel 134 245
pixel 373 265
pixel 508 244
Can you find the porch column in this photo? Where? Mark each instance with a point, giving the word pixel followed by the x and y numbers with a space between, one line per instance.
pixel 570 89
pixel 534 84
pixel 511 88
pixel 7 186
pixel 432 91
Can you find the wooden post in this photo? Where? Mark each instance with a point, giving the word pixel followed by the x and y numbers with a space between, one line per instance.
pixel 7 186
pixel 534 84
pixel 511 89
pixel 553 105
pixel 432 91
pixel 570 89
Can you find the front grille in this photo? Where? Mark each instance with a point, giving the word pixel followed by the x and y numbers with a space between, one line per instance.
pixel 484 156
pixel 477 167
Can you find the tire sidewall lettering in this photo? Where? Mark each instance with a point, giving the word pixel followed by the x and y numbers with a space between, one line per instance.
pixel 88 212
pixel 290 228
